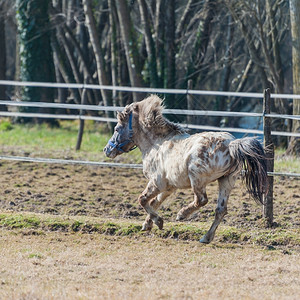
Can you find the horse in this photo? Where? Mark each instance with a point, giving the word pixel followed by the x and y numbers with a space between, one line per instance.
pixel 174 159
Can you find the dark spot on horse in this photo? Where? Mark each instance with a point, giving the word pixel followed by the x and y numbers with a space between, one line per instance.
pixel 223 203
pixel 136 107
pixel 201 153
pixel 223 147
pixel 143 200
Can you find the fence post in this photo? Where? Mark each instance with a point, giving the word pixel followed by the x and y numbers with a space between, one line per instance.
pixel 190 104
pixel 81 121
pixel 269 148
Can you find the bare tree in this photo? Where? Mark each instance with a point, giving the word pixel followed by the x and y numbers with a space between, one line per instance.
pixel 149 43
pixel 130 46
pixel 102 76
pixel 258 19
pixel 2 53
pixel 294 145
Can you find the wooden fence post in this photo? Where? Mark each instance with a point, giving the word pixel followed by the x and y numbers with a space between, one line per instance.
pixel 269 148
pixel 81 121
pixel 190 104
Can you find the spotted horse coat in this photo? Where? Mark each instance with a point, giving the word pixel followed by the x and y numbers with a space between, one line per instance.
pixel 174 159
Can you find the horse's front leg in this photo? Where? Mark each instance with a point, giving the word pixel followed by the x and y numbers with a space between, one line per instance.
pixel 155 204
pixel 149 193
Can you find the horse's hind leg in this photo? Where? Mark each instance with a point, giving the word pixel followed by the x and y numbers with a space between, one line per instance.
pixel 149 193
pixel 155 204
pixel 200 199
pixel 225 186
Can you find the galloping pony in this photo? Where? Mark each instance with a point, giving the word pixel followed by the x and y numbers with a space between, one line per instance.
pixel 174 159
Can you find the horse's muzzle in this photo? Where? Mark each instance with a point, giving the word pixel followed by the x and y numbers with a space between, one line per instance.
pixel 110 151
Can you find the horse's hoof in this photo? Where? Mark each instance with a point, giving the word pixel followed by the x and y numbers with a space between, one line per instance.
pixel 146 227
pixel 159 222
pixel 179 218
pixel 205 240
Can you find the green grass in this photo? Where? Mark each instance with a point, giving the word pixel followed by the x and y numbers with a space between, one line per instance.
pixel 115 227
pixel 288 164
pixel 60 142
pixel 57 142
pixel 43 136
pixel 19 221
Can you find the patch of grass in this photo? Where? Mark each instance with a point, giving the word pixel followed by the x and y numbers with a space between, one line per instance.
pixel 130 230
pixel 225 234
pixel 231 234
pixel 181 231
pixel 58 141
pixel 277 237
pixel 5 126
pixel 43 136
pixel 288 164
pixel 35 255
pixel 19 221
pixel 76 226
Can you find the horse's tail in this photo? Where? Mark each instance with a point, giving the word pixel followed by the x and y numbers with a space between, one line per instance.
pixel 249 153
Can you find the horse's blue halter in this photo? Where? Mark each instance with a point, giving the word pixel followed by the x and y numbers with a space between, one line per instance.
pixel 120 146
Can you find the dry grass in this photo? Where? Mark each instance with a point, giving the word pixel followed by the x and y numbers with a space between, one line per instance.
pixel 76 266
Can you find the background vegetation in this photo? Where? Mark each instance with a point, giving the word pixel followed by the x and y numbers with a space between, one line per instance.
pixel 238 45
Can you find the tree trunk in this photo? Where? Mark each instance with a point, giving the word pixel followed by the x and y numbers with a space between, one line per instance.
pixel 2 55
pixel 102 77
pixel 113 49
pixel 201 42
pixel 253 51
pixel 149 44
pixel 70 54
pixel 62 64
pixel 170 69
pixel 275 45
pixel 274 63
pixel 188 12
pixel 159 43
pixel 35 51
pixel 130 46
pixel 294 145
pixel 224 85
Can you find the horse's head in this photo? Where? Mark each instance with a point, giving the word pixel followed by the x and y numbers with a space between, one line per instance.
pixel 122 139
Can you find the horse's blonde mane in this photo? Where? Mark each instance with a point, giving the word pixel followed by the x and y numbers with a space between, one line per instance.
pixel 150 115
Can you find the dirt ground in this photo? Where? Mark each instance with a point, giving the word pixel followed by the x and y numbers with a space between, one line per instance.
pixel 109 192
pixel 64 265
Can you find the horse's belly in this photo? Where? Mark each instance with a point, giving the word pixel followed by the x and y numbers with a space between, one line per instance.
pixel 176 172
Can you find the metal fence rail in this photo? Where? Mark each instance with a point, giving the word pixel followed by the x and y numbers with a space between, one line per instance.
pixel 70 162
pixel 101 164
pixel 144 90
pixel 165 111
pixel 211 113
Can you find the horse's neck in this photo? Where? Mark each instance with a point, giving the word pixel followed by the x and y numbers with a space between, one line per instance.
pixel 149 142
pixel 146 140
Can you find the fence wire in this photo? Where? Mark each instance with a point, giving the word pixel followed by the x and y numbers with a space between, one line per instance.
pixel 114 109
